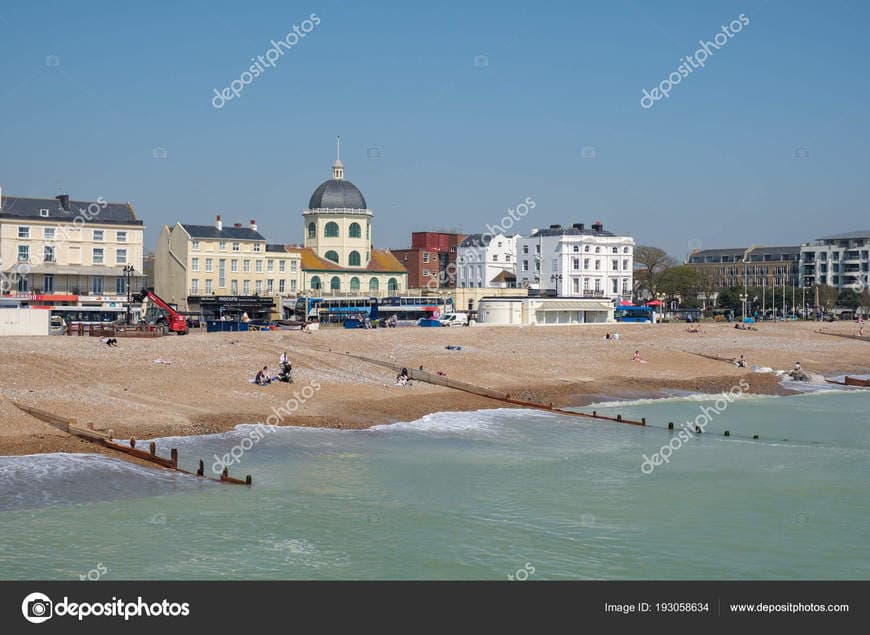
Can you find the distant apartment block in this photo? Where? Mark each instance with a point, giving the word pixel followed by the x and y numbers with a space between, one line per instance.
pixel 841 261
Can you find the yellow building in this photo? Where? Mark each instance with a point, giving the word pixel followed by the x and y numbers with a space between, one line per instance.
pixel 54 251
pixel 338 258
pixel 224 271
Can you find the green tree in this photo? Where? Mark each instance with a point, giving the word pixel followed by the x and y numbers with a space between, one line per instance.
pixel 651 264
pixel 730 299
pixel 827 296
pixel 849 299
pixel 682 281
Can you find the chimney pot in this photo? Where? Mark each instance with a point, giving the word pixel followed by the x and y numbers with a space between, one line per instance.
pixel 64 201
pixel 219 223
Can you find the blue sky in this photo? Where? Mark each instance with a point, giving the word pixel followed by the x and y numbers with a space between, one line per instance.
pixel 459 142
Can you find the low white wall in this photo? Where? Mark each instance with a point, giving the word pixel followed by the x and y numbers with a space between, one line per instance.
pixel 24 321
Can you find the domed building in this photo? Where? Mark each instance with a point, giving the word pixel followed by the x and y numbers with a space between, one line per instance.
pixel 338 256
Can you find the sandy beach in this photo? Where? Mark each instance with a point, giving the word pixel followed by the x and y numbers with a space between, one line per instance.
pixel 205 385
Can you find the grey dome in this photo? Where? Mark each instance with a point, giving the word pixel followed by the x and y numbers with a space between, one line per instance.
pixel 337 194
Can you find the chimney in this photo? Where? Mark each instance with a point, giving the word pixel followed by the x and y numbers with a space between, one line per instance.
pixel 579 226
pixel 254 225
pixel 597 226
pixel 64 201
pixel 237 225
pixel 219 223
pixel 555 227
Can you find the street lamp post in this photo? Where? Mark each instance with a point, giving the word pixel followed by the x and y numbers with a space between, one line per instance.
pixel 128 276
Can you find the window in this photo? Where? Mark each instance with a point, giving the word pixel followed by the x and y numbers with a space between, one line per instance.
pixel 222 245
pixel 98 235
pixel 555 264
pixel 576 248
pixel 195 245
pixel 315 283
pixel 48 254
pixel 354 282
pixel 22 284
pixel 614 285
pixel 257 247
pixel 335 284
pixel 586 263
pixel 258 266
pixel 236 246
pixel 194 265
pixel 48 283
pixel 425 256
pixel 614 264
pixel 209 286
pixel 426 273
pixel 259 287
pixel 625 250
pixel 281 287
pixel 246 287
pixel 234 287
pixel 98 255
pixel 312 230
pixel 597 263
pixel 499 244
pixel 525 249
pixel 616 250
pixel 120 286
pixel 222 273
pixel 353 260
pixel 234 265
pixel 575 263
pixel 368 227
pixel 331 255
pixel 507 257
pixel 598 250
pixel 43 213
pixel 282 266
pixel 23 231
pixel 537 265
pixel 23 253
pixel 373 284
pixel 586 249
pixel 48 233
pixel 331 230
pixel 97 285
pixel 293 266
pixel 121 237
pixel 209 265
pixel 194 286
pixel 537 249
pixel 392 285
pixel 292 286
pixel 495 257
pixel 246 266
pixel 625 264
pixel 525 265
pixel 270 265
pixel 355 231
pixel 121 257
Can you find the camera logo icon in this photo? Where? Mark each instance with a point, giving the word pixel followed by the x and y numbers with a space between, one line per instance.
pixel 37 608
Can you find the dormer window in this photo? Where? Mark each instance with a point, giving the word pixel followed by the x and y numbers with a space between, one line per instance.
pixel 43 213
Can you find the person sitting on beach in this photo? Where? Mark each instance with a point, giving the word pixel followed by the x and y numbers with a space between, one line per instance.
pixel 262 378
pixel 402 378
pixel 637 358
pixel 284 363
pixel 607 336
pixel 109 341
pixel 740 362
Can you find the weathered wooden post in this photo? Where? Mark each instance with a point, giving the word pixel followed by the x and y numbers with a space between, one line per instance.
pixel 173 454
pixel 152 449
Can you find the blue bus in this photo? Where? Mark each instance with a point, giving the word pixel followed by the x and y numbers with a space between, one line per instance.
pixel 630 313
pixel 334 310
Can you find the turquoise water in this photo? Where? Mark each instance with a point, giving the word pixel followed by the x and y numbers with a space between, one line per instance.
pixel 478 495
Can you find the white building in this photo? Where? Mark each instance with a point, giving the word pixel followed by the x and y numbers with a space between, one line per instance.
pixel 841 261
pixel 484 260
pixel 531 311
pixel 577 262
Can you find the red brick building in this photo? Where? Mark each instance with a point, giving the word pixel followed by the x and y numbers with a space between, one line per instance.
pixel 429 259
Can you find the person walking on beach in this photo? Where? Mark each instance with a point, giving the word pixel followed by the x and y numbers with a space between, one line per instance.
pixel 860 326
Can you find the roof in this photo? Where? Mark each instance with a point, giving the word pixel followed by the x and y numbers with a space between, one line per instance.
pixel 382 261
pixel 476 240
pixel 337 194
pixel 227 233
pixel 504 276
pixel 276 248
pixel 571 231
pixel 860 233
pixel 739 253
pixel 94 212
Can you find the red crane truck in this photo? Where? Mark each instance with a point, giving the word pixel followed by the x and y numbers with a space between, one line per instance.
pixel 163 314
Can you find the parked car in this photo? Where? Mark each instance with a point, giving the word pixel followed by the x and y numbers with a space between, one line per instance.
pixel 454 319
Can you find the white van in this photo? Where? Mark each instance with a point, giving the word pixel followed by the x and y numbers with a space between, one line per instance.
pixel 454 319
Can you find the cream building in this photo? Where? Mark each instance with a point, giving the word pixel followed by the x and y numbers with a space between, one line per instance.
pixel 224 271
pixel 58 252
pixel 337 256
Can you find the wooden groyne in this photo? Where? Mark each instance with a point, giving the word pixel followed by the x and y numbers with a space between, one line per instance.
pixel 848 337
pixel 480 391
pixel 105 439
